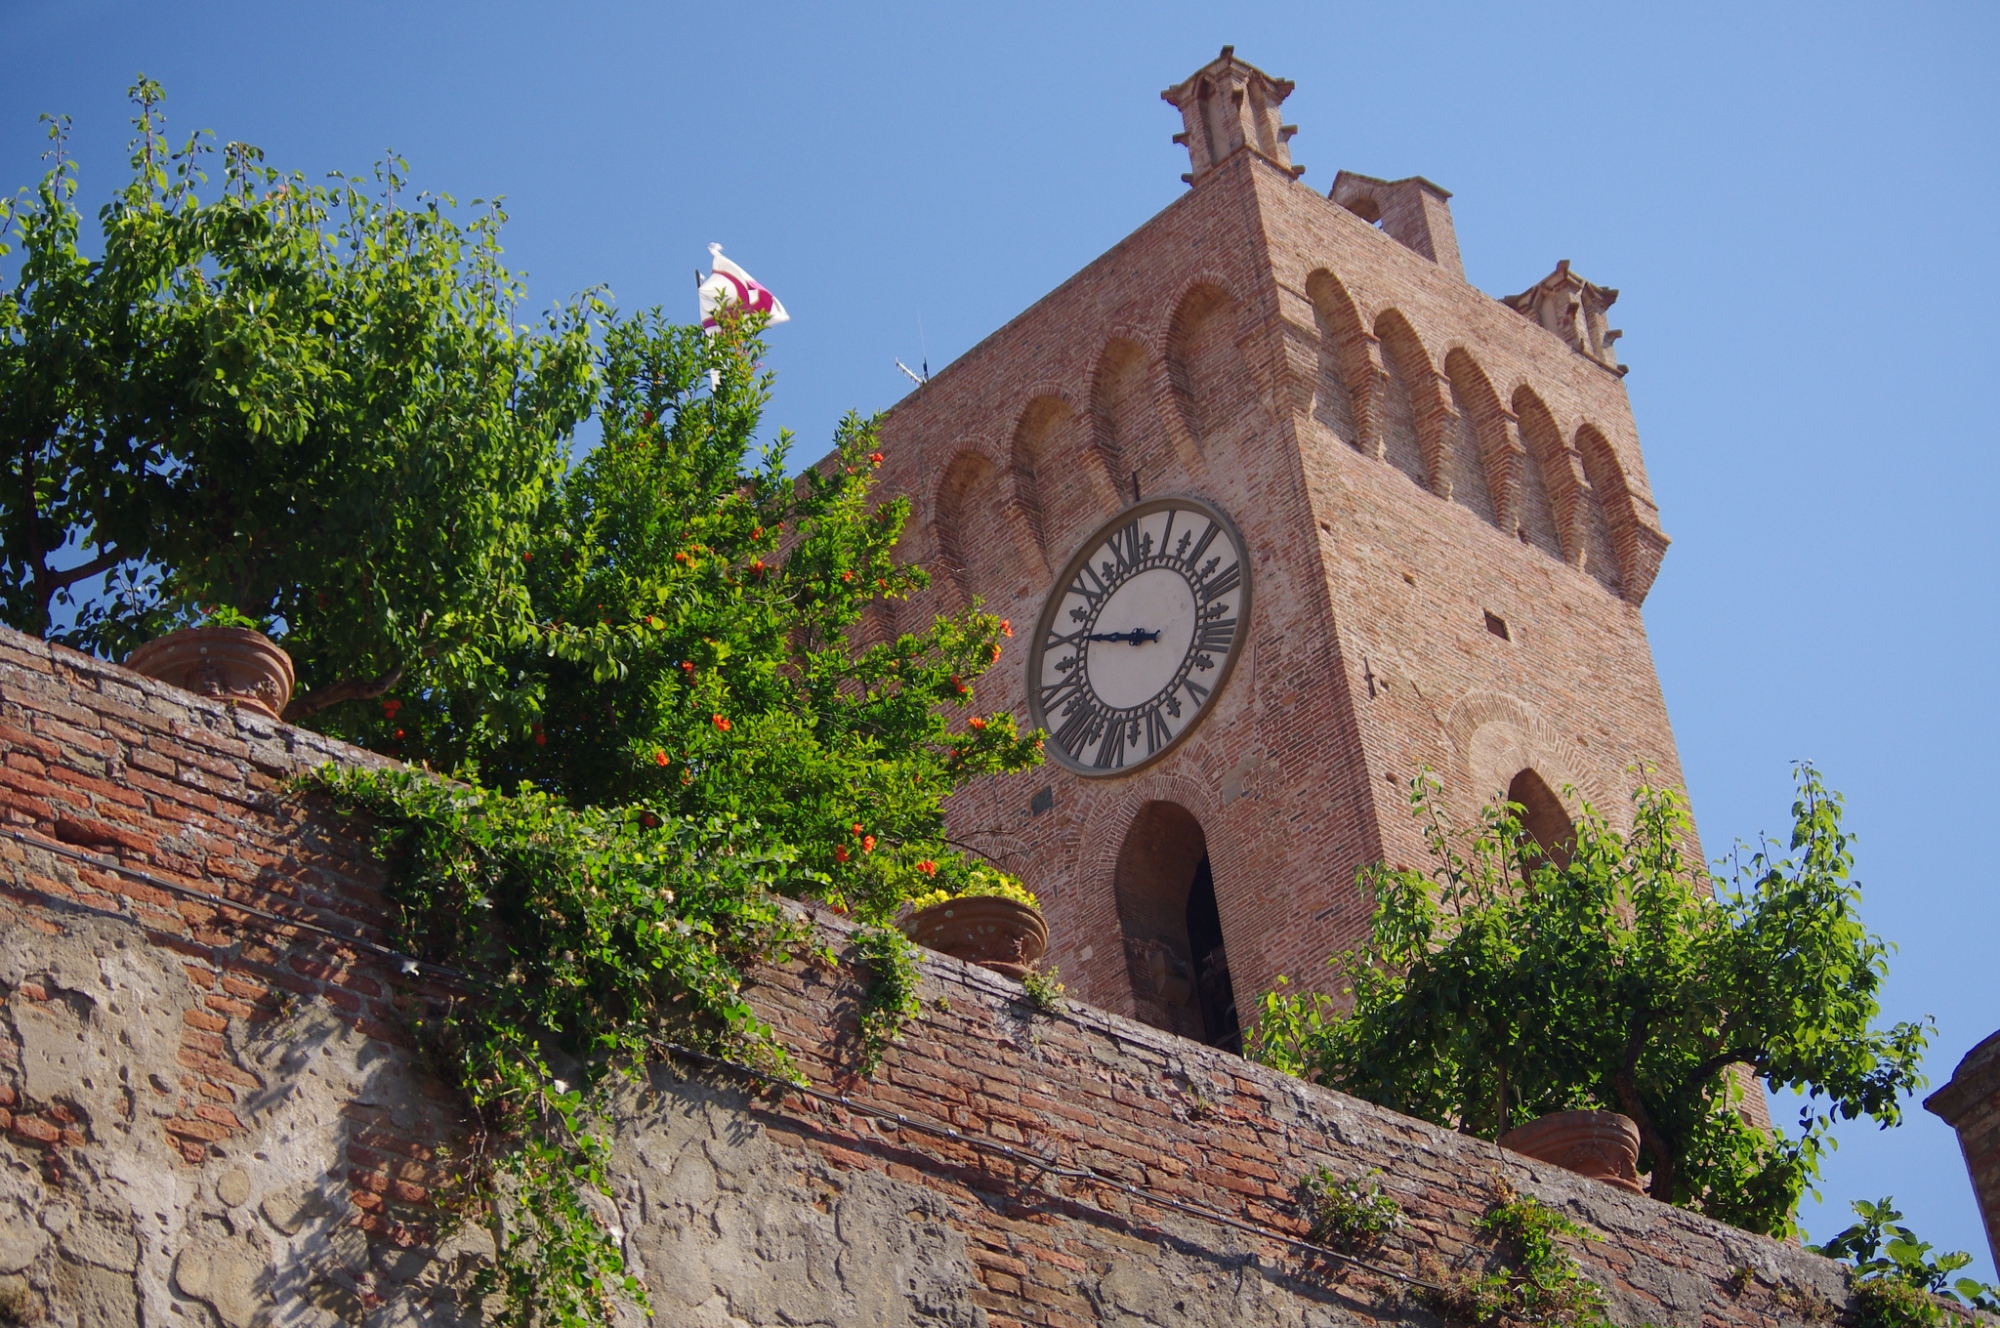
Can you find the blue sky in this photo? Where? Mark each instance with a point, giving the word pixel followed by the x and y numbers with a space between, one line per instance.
pixel 1797 202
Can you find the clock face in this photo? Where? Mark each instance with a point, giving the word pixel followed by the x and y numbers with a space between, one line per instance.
pixel 1139 635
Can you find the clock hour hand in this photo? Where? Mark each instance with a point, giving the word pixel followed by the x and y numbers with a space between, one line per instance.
pixel 1137 636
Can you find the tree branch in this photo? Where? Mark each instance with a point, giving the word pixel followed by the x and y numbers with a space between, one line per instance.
pixel 103 562
pixel 347 689
pixel 1626 1084
pixel 1715 1064
pixel 31 512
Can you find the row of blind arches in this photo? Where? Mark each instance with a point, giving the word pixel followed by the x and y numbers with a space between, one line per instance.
pixel 1377 390
pixel 1070 463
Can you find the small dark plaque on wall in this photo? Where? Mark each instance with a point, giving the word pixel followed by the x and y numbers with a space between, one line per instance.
pixel 1042 801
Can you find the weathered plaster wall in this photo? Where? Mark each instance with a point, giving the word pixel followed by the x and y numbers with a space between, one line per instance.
pixel 212 1117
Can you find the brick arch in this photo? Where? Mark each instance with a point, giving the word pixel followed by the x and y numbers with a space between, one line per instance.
pixel 1136 420
pixel 1034 431
pixel 1548 489
pixel 1205 282
pixel 1488 400
pixel 1498 735
pixel 1605 494
pixel 1059 474
pixel 1350 364
pixel 1112 817
pixel 1045 394
pixel 1159 857
pixel 1483 442
pixel 1207 376
pixel 1119 401
pixel 1544 816
pixel 1413 438
pixel 1627 527
pixel 1638 543
pixel 977 526
pixel 1110 845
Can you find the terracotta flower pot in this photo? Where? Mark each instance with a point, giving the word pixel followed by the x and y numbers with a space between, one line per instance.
pixel 228 663
pixel 1602 1145
pixel 987 930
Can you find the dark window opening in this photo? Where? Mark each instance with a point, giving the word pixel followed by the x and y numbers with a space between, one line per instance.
pixel 1543 817
pixel 1173 930
pixel 1220 1026
pixel 1497 625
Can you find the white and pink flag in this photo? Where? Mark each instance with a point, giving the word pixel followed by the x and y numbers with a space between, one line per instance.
pixel 727 283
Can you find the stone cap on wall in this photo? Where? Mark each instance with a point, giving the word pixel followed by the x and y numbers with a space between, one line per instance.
pixel 1976 1078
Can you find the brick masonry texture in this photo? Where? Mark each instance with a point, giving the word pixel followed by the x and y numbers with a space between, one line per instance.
pixel 1412 463
pixel 1970 1104
pixel 213 1117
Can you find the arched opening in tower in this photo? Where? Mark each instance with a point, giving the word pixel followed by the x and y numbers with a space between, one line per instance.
pixel 1543 817
pixel 1172 928
pixel 1212 987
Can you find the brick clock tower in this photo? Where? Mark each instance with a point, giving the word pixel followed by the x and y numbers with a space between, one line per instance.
pixel 1282 510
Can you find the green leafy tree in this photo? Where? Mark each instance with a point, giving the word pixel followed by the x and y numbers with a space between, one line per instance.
pixel 707 717
pixel 1504 984
pixel 1897 1280
pixel 714 638
pixel 668 677
pixel 306 406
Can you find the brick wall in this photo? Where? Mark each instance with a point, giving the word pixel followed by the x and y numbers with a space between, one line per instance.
pixel 212 1116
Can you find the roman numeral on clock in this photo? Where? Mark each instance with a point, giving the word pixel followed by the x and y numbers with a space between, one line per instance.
pixel 1216 635
pixel 1085 722
pixel 1193 556
pixel 1126 547
pixel 1059 695
pixel 1111 754
pixel 1222 582
pixel 1093 594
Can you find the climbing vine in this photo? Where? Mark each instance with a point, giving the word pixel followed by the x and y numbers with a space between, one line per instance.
pixel 589 939
pixel 890 1000
pixel 1536 1281
pixel 1351 1214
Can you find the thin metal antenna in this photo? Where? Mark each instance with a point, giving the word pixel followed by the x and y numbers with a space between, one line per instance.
pixel 919 381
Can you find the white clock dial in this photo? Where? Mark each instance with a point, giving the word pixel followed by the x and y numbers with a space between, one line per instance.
pixel 1139 635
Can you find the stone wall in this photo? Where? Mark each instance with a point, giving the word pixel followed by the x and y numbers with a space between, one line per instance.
pixel 210 1108
pixel 213 1116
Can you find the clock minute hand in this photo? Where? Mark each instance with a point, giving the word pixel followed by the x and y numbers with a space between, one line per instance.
pixel 1137 636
